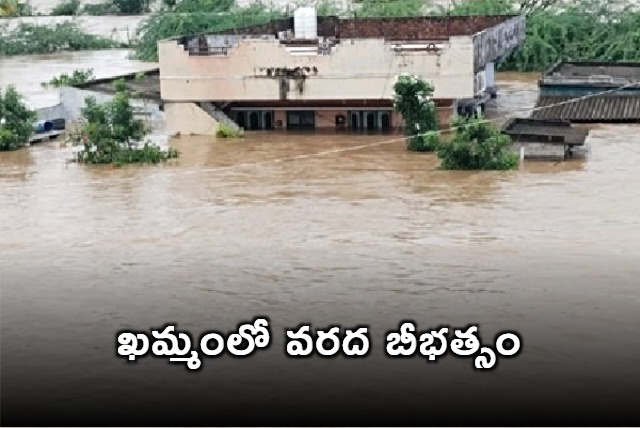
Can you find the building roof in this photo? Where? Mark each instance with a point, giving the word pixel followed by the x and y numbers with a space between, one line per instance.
pixel 144 84
pixel 601 74
pixel 593 109
pixel 399 28
pixel 520 127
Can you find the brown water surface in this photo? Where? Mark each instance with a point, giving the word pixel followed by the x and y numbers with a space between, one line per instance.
pixel 291 226
pixel 28 72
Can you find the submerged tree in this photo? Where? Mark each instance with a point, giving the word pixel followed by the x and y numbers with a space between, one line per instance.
pixel 77 77
pixel 16 120
pixel 476 144
pixel 413 99
pixel 110 133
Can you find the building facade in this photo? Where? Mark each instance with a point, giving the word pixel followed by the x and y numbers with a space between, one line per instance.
pixel 327 72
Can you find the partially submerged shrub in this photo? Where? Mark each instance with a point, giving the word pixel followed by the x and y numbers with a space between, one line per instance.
pixel 413 99
pixel 225 131
pixel 110 134
pixel 476 144
pixel 77 77
pixel 16 120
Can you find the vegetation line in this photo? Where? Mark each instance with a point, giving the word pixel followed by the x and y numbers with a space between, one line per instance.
pixel 591 30
pixel 26 39
pixel 594 30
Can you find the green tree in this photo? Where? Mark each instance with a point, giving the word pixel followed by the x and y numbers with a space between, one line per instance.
pixel 66 8
pixel 110 133
pixel 413 100
pixel 12 8
pixel 391 8
pixel 16 120
pixel 75 78
pixel 582 30
pixel 482 7
pixel 27 38
pixel 476 145
pixel 132 7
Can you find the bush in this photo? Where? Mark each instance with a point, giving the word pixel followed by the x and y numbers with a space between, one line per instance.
pixel 14 8
pixel 583 30
pixel 16 120
pixel 66 8
pixel 476 144
pixel 28 39
pixel 110 134
pixel 377 8
pixel 77 77
pixel 100 9
pixel 132 7
pixel 413 99
pixel 225 131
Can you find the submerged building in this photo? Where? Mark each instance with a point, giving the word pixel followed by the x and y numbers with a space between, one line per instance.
pixel 328 72
pixel 544 139
pixel 590 92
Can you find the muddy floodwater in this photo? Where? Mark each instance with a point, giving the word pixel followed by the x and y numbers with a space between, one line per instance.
pixel 323 228
pixel 28 72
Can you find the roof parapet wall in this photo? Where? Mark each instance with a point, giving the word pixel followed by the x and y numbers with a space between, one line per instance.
pixel 601 74
pixel 409 28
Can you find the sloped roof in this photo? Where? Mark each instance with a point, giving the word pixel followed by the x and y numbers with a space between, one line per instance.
pixel 593 109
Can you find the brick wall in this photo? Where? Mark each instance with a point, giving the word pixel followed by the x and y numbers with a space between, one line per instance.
pixel 416 28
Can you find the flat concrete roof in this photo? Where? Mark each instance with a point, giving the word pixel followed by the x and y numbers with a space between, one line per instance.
pixel 397 28
pixel 145 84
pixel 619 70
pixel 521 127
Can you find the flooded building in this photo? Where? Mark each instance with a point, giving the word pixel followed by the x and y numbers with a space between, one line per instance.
pixel 144 89
pixel 544 139
pixel 328 72
pixel 590 92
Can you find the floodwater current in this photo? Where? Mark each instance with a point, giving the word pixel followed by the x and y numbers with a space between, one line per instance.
pixel 316 227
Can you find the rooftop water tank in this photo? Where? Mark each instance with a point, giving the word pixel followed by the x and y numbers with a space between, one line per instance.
pixel 305 23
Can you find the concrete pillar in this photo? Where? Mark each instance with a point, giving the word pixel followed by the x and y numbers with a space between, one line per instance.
pixel 490 79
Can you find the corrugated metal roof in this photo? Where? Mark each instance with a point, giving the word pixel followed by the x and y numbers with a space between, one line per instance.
pixel 592 109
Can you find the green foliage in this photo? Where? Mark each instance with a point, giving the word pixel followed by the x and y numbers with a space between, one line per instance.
pixel 77 77
pixel 14 8
pixel 66 8
pixel 582 30
pixel 194 6
pixel 482 7
pixel 412 98
pixel 391 8
pixel 132 7
pixel 190 17
pixel 16 120
pixel 28 39
pixel 224 131
pixel 110 133
pixel 100 9
pixel 476 145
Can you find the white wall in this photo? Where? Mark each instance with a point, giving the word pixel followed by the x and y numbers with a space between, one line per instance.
pixel 356 69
